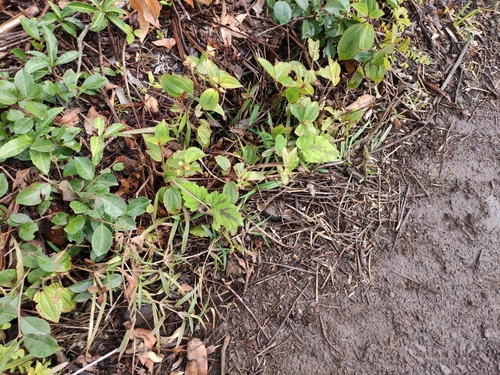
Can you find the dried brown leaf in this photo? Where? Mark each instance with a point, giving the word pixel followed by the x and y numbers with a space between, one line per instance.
pixel 197 362
pixel 148 12
pixel 362 102
pixel 151 103
pixel 186 287
pixel 145 335
pixel 70 118
pixel 165 42
pixel 132 283
pixel 88 124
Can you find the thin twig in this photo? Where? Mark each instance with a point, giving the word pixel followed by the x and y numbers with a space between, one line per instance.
pixel 223 350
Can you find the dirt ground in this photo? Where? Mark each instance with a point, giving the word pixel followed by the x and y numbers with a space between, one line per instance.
pixel 432 304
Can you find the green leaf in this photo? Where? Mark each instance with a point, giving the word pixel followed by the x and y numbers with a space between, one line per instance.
pixel 52 301
pixel 191 154
pixel 172 200
pixel 8 278
pixel 15 219
pixel 42 145
pixel 27 231
pixel 7 313
pixel 81 286
pixel 305 110
pixel 30 26
pixel 51 44
pixel 59 262
pixel 8 93
pixel 209 99
pixel 37 63
pixel 223 162
pixel 361 8
pixel 111 204
pixel 268 67
pixel 4 185
pixel 99 21
pixel 367 37
pixel 24 83
pixel 67 57
pixel 231 190
pixel 193 194
pixel 282 12
pixel 374 72
pixel 41 160
pixel 317 149
pixel 78 207
pixel 102 239
pixel 32 324
pixel 176 85
pixel 138 206
pixel 94 82
pixel 76 224
pixel 33 194
pixel 81 7
pixel 97 149
pixel 204 133
pixel 303 4
pixel 155 150
pixel 292 94
pixel 84 168
pixel 228 82
pixel 349 43
pixel 40 346
pixel 224 212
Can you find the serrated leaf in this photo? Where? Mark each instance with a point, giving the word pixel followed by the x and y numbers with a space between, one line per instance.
pixel 209 99
pixel 361 8
pixel 40 346
pixel 52 301
pixel 111 204
pixel 102 239
pixel 172 200
pixel 32 324
pixel 193 195
pixel 224 212
pixel 349 42
pixel 191 154
pixel 317 149
pixel 84 168
pixel 33 194
pixel 282 12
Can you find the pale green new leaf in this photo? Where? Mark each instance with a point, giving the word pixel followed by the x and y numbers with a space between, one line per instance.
pixel 317 149
pixel 193 195
pixel 228 82
pixel 268 67
pixel 209 99
pixel 176 85
pixel 223 162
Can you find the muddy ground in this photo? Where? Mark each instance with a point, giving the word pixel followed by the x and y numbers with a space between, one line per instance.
pixel 427 302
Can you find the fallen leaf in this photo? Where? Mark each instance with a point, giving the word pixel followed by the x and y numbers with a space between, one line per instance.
pixel 66 190
pixel 146 336
pixel 197 362
pixel 70 118
pixel 165 42
pixel 362 102
pixel 88 124
pixel 151 103
pixel 132 283
pixel 148 12
pixel 190 3
pixel 204 2
pixel 186 287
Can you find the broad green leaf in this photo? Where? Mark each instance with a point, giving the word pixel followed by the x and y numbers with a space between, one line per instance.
pixel 223 162
pixel 193 195
pixel 27 231
pixel 30 26
pixel 99 22
pixel 4 185
pixel 224 212
pixel 111 204
pixel 172 200
pixel 78 207
pixel 367 37
pixel 231 190
pixel 282 12
pixel 102 239
pixel 76 224
pixel 374 72
pixel 43 145
pixel 191 154
pixel 8 93
pixel 268 67
pixel 25 83
pixel 305 110
pixel 361 8
pixel 204 133
pixel 7 278
pixel 94 82
pixel 67 57
pixel 155 150
pixel 317 149
pixel 377 13
pixel 33 194
pixel 32 324
pixel 51 44
pixel 52 301
pixel 228 82
pixel 81 286
pixel 349 43
pixel 40 346
pixel 176 85
pixel 290 159
pixel 292 94
pixel 303 4
pixel 59 262
pixel 84 168
pixel 41 160
pixel 7 313
pixel 138 206
pixel 36 64
pixel 209 99
pixel 81 7
pixel 39 110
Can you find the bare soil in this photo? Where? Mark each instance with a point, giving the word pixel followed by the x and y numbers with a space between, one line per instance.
pixel 432 302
